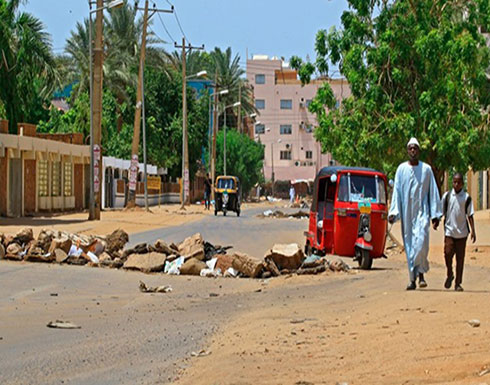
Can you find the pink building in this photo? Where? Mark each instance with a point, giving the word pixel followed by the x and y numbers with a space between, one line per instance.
pixel 284 123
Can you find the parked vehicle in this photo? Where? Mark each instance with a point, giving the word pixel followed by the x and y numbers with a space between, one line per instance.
pixel 227 195
pixel 349 214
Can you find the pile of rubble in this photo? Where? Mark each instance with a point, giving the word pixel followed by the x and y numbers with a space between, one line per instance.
pixel 281 214
pixel 193 256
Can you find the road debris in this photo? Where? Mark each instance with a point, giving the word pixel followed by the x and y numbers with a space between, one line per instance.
pixel 474 323
pixel 484 372
pixel 281 214
pixel 156 289
pixel 201 353
pixel 62 325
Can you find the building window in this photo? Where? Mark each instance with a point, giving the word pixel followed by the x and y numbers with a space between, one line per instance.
pixel 259 128
pixel 309 154
pixel 308 102
pixel 67 179
pixel 286 155
pixel 56 179
pixel 259 79
pixel 309 128
pixel 260 104
pixel 286 104
pixel 43 178
pixel 286 129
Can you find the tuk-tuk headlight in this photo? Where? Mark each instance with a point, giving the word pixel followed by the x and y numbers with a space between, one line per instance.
pixel 367 236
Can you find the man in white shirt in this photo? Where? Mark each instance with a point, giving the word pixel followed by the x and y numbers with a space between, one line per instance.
pixel 458 211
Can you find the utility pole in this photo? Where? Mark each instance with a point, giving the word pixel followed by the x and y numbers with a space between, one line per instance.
pixel 97 110
pixel 239 124
pixel 133 173
pixel 185 144
pixel 215 129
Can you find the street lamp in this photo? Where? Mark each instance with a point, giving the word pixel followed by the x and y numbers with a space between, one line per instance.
pixel 210 133
pixel 93 213
pixel 185 146
pixel 224 138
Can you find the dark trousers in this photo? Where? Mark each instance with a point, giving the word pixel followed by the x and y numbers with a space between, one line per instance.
pixel 455 246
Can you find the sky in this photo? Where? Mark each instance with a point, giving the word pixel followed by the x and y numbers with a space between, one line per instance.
pixel 281 28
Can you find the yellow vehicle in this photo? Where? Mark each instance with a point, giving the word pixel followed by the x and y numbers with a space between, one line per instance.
pixel 227 195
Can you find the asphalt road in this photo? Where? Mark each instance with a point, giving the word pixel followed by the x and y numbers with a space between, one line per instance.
pixel 247 233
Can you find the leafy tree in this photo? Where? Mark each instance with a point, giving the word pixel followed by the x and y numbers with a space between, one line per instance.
pixel 415 68
pixel 27 66
pixel 244 158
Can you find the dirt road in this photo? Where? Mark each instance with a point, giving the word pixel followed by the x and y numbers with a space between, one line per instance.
pixel 357 327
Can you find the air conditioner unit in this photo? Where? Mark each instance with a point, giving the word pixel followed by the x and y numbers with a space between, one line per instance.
pixel 288 146
pixel 296 163
pixel 304 164
pixel 308 128
pixel 302 126
pixel 302 103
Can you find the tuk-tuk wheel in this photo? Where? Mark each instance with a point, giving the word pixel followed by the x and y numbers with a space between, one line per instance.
pixel 238 213
pixel 215 212
pixel 224 213
pixel 365 261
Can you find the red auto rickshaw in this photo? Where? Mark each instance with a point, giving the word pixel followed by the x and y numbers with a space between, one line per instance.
pixel 349 214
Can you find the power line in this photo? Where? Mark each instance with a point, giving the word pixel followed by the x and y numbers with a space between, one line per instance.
pixel 178 22
pixel 165 27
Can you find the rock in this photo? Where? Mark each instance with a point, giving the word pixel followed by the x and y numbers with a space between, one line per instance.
pixel 311 270
pixel 162 247
pixel 7 240
pixel 271 267
pixel 286 256
pixel 174 247
pixel 192 266
pixel 338 265
pixel 140 248
pixel 193 247
pixel 74 260
pixel 147 263
pixel 172 257
pixel 36 254
pixel 60 255
pixel 44 239
pixel 105 258
pixel 63 243
pixel 474 323
pixel 266 274
pixel 224 262
pixel 98 247
pixel 2 251
pixel 14 251
pixel 248 266
pixel 116 263
pixel 24 236
pixel 116 241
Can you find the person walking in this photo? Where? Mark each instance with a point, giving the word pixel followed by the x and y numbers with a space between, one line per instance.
pixel 207 192
pixel 458 211
pixel 292 194
pixel 416 202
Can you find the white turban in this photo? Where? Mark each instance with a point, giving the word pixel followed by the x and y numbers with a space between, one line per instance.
pixel 413 141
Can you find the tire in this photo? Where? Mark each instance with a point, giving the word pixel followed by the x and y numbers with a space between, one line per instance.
pixel 215 212
pixel 238 213
pixel 365 260
pixel 224 213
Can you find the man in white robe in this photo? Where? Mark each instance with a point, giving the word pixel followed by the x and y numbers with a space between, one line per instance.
pixel 415 201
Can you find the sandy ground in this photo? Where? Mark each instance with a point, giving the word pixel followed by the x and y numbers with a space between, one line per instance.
pixel 359 327
pixel 132 221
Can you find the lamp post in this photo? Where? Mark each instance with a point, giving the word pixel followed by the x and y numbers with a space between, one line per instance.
pixel 185 145
pixel 95 134
pixel 215 130
pixel 237 104
pixel 210 139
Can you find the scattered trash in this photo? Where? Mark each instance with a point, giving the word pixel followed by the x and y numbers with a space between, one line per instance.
pixel 201 353
pixel 213 294
pixel 156 289
pixel 280 214
pixel 474 323
pixel 53 294
pixel 173 267
pixel 484 372
pixel 62 325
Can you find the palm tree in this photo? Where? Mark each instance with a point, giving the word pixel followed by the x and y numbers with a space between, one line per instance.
pixel 231 77
pixel 27 67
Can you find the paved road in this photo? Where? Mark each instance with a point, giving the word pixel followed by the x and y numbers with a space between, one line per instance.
pixel 246 233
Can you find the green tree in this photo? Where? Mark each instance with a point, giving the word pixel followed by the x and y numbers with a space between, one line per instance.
pixel 244 158
pixel 27 67
pixel 415 68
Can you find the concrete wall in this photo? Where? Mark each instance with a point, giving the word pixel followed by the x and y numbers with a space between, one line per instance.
pixel 29 186
pixel 78 180
pixel 3 185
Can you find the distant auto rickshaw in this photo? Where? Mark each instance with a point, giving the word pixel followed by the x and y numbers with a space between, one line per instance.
pixel 227 195
pixel 349 214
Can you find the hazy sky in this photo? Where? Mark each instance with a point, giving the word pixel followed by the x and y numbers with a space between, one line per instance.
pixel 271 27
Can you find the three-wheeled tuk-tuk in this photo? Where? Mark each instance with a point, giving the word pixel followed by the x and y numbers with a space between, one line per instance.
pixel 227 195
pixel 349 214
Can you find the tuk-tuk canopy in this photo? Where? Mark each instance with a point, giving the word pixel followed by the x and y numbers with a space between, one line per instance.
pixel 335 170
